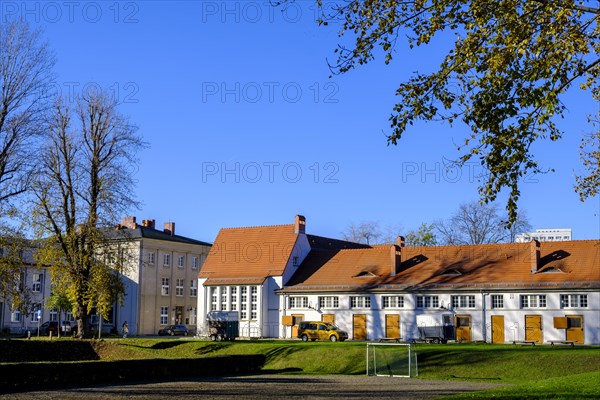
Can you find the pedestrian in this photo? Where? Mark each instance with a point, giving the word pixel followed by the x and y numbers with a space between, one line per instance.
pixel 125 329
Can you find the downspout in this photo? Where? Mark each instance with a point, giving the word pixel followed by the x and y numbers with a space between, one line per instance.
pixel 483 323
pixel 138 319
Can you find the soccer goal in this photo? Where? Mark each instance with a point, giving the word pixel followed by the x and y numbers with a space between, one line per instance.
pixel 392 359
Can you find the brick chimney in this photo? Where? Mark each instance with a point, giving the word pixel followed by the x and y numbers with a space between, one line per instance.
pixel 395 259
pixel 300 224
pixel 169 228
pixel 534 255
pixel 129 222
pixel 149 223
pixel 400 241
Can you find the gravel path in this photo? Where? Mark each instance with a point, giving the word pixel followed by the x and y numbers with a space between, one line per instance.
pixel 261 387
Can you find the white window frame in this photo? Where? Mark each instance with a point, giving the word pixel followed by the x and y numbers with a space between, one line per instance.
pixel 166 260
pixel 15 316
pixel 298 302
pixel 392 301
pixel 181 261
pixel 363 302
pixel 151 258
pixel 34 312
pixel 179 287
pixel 533 301
pixel 194 262
pixel 463 301
pixel 497 301
pixel 574 301
pixel 427 301
pixel 164 315
pixel 193 288
pixel 36 286
pixel 233 298
pixel 165 287
pixel 329 302
pixel 244 303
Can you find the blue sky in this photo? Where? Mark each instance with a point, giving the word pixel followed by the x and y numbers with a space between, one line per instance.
pixel 246 128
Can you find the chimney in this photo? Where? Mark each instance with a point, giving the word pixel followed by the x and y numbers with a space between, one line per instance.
pixel 400 241
pixel 395 258
pixel 300 225
pixel 535 255
pixel 169 228
pixel 129 222
pixel 149 223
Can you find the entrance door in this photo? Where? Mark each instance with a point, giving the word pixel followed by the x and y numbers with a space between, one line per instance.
pixel 533 328
pixel 575 328
pixel 463 328
pixel 328 318
pixel 359 326
pixel 178 314
pixel 392 325
pixel 497 328
pixel 297 319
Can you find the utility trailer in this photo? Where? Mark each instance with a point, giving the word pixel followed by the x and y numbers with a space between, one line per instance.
pixel 435 329
pixel 223 325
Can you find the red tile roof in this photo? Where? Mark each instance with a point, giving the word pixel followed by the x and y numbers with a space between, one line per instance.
pixel 506 266
pixel 248 255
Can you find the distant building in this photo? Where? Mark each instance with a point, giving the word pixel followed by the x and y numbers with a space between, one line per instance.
pixel 545 235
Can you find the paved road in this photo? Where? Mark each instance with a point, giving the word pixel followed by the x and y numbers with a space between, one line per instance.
pixel 261 387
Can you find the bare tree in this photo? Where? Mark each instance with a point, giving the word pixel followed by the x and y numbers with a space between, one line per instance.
pixel 26 66
pixel 85 181
pixel 478 223
pixel 365 232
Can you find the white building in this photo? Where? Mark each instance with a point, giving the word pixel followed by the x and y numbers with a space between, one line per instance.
pixel 545 235
pixel 277 276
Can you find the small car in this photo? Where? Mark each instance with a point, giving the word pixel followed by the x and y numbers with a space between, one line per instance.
pixel 52 326
pixel 317 330
pixel 173 330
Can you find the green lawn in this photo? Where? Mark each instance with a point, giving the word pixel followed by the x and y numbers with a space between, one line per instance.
pixel 533 372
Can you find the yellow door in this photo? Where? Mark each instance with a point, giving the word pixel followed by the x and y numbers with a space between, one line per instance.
pixel 297 319
pixel 533 328
pixel 392 325
pixel 359 326
pixel 575 328
pixel 463 328
pixel 328 318
pixel 497 328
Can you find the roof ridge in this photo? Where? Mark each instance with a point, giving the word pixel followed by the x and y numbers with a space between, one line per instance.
pixel 256 226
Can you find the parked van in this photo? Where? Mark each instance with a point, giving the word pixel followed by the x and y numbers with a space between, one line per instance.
pixel 314 330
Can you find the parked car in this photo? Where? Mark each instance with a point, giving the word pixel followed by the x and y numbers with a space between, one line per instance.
pixel 52 326
pixel 317 330
pixel 173 330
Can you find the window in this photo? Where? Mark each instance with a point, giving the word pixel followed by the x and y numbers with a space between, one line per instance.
pixel 181 261
pixel 298 302
pixel 497 301
pixel 253 302
pixel 36 314
pixel 193 288
pixel 244 302
pixel 151 258
pixel 166 260
pixel 37 283
pixel 329 302
pixel 463 301
pixel 428 302
pixel 224 298
pixel 193 316
pixel 53 315
pixel 194 262
pixel 164 290
pixel 213 298
pixel 233 298
pixel 179 287
pixel 164 315
pixel 393 301
pixel 533 301
pixel 573 301
pixel 360 302
pixel 15 316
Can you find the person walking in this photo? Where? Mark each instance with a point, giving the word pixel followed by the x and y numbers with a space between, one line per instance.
pixel 125 329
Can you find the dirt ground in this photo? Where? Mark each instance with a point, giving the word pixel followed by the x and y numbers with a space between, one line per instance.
pixel 263 387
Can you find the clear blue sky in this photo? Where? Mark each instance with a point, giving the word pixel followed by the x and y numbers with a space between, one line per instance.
pixel 246 127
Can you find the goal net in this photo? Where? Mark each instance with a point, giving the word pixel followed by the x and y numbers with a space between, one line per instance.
pixel 392 359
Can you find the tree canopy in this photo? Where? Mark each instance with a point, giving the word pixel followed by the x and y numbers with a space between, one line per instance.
pixel 504 76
